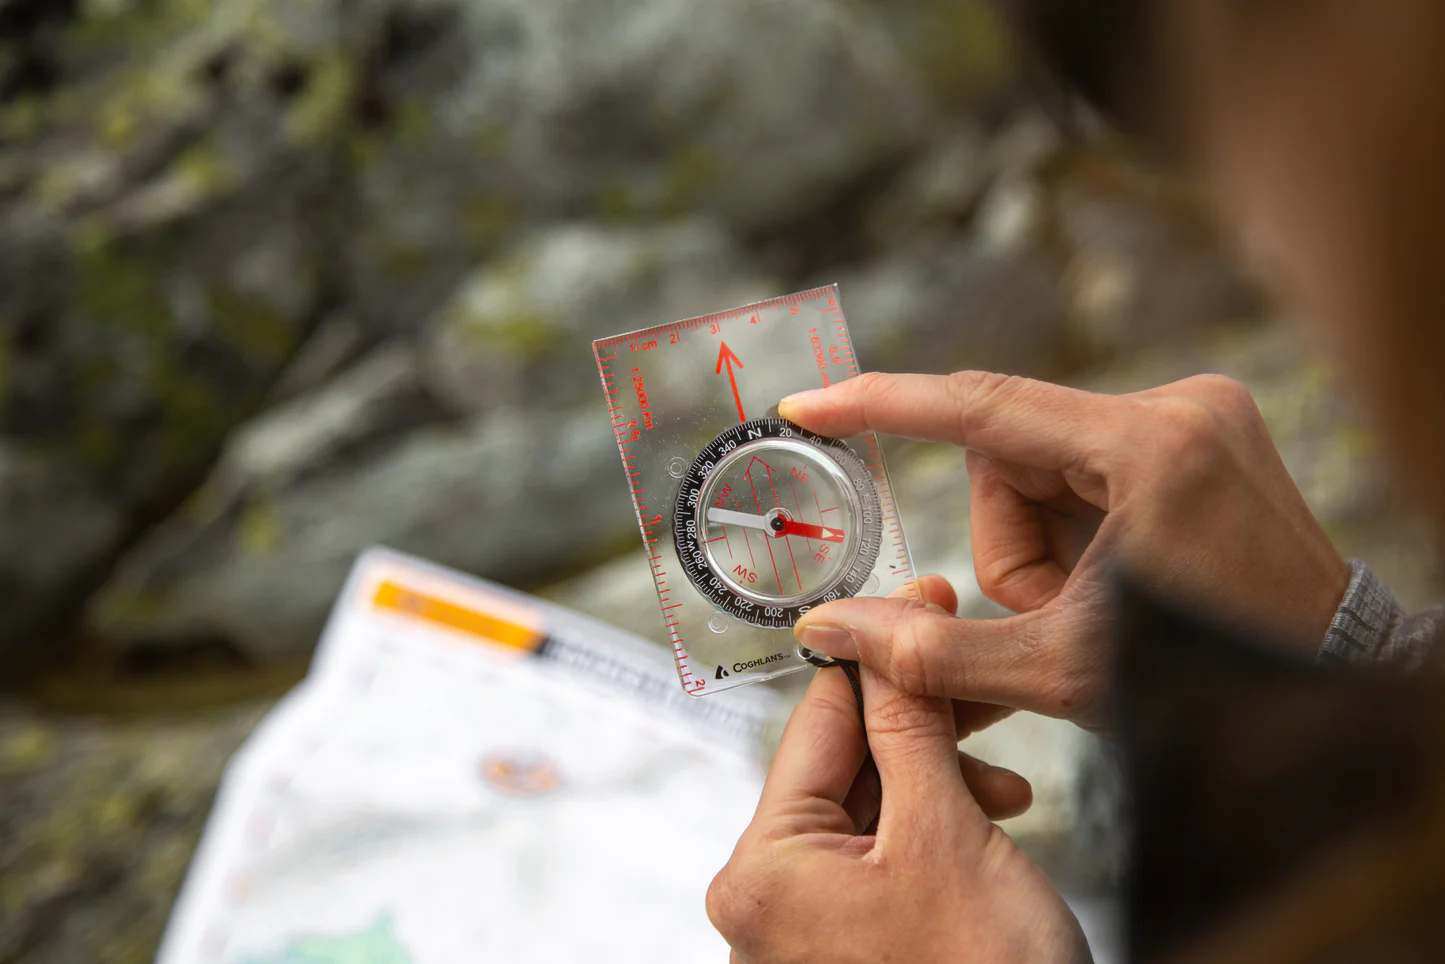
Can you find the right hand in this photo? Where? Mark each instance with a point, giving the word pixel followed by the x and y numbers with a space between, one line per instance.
pixel 1182 482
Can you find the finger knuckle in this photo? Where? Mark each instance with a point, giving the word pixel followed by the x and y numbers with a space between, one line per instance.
pixel 988 570
pixel 1189 437
pixel 743 903
pixel 1232 403
pixel 725 908
pixel 974 392
pixel 906 718
pixel 871 383
pixel 1221 389
pixel 915 652
pixel 872 389
pixel 837 710
pixel 996 567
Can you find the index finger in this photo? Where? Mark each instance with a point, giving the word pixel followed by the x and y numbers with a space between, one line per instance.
pixel 1004 416
pixel 822 749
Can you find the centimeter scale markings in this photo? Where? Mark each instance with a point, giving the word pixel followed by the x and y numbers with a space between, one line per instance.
pixel 722 487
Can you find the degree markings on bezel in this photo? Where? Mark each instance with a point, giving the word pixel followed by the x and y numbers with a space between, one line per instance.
pixel 690 525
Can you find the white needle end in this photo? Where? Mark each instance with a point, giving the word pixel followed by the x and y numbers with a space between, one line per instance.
pixel 727 517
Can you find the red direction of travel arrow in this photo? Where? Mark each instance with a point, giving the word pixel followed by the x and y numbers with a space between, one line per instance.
pixel 726 357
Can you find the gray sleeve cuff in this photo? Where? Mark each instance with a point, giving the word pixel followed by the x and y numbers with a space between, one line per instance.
pixel 1370 627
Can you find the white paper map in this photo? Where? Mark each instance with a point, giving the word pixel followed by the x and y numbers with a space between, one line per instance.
pixel 471 775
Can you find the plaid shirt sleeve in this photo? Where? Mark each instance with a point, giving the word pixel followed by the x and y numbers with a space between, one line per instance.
pixel 1371 627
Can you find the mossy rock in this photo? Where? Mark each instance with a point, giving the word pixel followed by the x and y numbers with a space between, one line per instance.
pixel 98 822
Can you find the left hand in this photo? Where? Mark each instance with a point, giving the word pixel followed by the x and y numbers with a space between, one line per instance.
pixel 937 882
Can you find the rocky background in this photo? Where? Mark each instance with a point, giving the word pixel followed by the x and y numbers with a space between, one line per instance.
pixel 281 279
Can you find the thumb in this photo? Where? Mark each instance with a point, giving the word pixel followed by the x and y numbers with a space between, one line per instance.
pixel 915 748
pixel 1025 661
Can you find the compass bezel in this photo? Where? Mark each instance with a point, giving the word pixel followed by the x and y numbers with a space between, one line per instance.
pixel 753 608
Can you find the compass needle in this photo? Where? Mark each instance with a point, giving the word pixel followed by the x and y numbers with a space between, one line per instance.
pixel 813 532
pixel 798 505
pixel 730 518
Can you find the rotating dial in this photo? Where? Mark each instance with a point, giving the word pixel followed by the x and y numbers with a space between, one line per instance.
pixel 772 520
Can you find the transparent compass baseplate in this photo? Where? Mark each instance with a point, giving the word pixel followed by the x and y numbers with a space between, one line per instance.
pixel 748 521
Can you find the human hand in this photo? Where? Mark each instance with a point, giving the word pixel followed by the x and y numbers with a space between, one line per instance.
pixel 937 882
pixel 1182 482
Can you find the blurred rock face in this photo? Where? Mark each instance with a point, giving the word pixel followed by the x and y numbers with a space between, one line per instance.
pixel 281 279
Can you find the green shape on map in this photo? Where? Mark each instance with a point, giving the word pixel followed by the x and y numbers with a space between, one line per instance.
pixel 375 945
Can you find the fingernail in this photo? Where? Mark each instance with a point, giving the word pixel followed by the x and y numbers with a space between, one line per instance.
pixel 829 640
pixel 801 398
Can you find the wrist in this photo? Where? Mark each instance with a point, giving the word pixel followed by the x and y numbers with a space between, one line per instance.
pixel 1330 596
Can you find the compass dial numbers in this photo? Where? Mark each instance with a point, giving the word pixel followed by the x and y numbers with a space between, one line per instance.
pixel 772 520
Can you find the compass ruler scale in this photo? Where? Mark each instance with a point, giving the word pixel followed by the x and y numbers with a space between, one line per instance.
pixel 748 521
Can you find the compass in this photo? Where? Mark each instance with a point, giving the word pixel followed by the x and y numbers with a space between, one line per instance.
pixel 745 534
pixel 772 520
